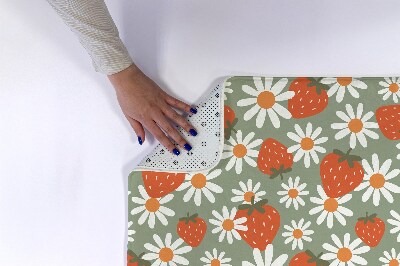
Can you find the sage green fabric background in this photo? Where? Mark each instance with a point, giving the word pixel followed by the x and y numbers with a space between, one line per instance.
pixel 240 251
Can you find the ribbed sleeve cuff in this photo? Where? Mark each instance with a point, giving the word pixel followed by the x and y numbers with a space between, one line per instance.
pixel 113 59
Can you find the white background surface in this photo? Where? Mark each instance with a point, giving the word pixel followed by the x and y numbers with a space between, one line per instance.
pixel 65 147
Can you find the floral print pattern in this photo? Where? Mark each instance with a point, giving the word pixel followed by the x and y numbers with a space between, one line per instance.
pixel 309 171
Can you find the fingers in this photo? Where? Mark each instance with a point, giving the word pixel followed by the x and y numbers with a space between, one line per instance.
pixel 138 128
pixel 160 121
pixel 157 133
pixel 180 105
pixel 179 120
pixel 161 137
pixel 172 131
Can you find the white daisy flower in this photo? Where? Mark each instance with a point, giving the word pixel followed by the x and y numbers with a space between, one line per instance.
pixel 215 260
pixel 330 208
pixel 265 99
pixel 391 88
pixel 396 223
pixel 356 125
pixel 247 192
pixel 345 253
pixel 390 259
pixel 341 85
pixel 297 233
pixel 376 180
pixel 166 253
pixel 152 208
pixel 239 150
pixel 131 232
pixel 308 144
pixel 398 147
pixel 227 224
pixel 268 255
pixel 198 184
pixel 227 89
pixel 292 193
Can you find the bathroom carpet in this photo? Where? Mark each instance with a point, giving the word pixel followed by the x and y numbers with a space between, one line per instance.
pixel 283 171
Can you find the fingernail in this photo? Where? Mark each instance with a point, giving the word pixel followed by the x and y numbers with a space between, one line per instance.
pixel 176 151
pixel 193 132
pixel 187 147
pixel 193 110
pixel 140 140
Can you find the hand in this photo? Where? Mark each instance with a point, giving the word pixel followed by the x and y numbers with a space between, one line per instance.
pixel 145 104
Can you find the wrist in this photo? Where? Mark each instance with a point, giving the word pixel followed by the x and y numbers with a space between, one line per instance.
pixel 125 72
pixel 119 79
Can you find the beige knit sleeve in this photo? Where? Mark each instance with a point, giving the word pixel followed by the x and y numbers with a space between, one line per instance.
pixel 91 21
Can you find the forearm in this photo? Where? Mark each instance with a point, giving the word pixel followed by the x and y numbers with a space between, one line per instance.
pixel 91 21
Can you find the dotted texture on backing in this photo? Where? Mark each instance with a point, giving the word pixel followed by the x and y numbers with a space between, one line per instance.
pixel 207 145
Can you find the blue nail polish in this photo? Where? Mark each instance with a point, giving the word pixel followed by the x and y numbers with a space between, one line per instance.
pixel 193 110
pixel 193 132
pixel 187 147
pixel 176 152
pixel 140 140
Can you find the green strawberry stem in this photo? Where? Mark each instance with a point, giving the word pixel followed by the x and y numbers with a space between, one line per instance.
pixel 318 85
pixel 279 172
pixel 230 128
pixel 189 218
pixel 138 259
pixel 316 259
pixel 368 218
pixel 254 206
pixel 347 157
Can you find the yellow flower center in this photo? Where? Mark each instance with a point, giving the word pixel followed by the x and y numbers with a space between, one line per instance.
pixel 239 150
pixel 266 99
pixel 331 205
pixel 394 262
pixel 307 144
pixel 344 254
pixel 293 193
pixel 377 180
pixel 166 254
pixel 199 181
pixel 394 87
pixel 355 125
pixel 248 195
pixel 344 81
pixel 228 225
pixel 152 205
pixel 297 233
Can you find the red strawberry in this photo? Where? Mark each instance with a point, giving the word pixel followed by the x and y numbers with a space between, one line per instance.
pixel 159 184
pixel 134 260
pixel 370 229
pixel 273 158
pixel 307 258
pixel 263 222
pixel 340 173
pixel 388 118
pixel 229 115
pixel 310 97
pixel 192 229
pixel 230 121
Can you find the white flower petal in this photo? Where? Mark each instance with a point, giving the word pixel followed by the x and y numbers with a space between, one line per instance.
pixel 279 86
pixel 249 90
pixel 247 102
